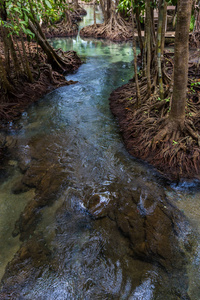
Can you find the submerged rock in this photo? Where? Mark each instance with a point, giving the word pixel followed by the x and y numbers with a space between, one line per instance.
pixel 149 222
pixel 154 230
pixel 137 229
pixel 43 171
pixel 27 265
pixel 132 232
pixel 2 139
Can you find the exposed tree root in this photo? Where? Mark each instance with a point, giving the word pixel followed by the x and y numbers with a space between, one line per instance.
pixel 115 29
pixel 70 60
pixel 194 39
pixel 65 27
pixel 78 12
pixel 45 80
pixel 150 135
pixel 61 29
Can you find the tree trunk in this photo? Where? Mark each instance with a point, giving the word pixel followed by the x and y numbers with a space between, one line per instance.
pixel 135 60
pixel 8 40
pixel 3 12
pixel 76 4
pixel 153 32
pixel 110 4
pixel 102 3
pixel 53 58
pixel 148 45
pixel 197 16
pixel 8 87
pixel 159 45
pixel 181 54
pixel 139 30
pixel 27 66
pixel 3 16
pixel 95 22
pixel 164 27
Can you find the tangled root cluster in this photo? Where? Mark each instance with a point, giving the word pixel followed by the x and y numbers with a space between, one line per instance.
pixel 150 135
pixel 116 29
pixel 45 80
pixel 67 27
pixel 194 39
pixel 61 29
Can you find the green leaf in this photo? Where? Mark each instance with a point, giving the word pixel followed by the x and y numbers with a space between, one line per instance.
pixel 26 18
pixel 48 4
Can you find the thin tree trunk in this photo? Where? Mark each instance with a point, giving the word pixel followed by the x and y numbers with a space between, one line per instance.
pixel 28 70
pixel 76 4
pixel 153 34
pixel 6 49
pixel 103 9
pixel 177 113
pixel 139 30
pixel 164 27
pixel 110 4
pixel 7 39
pixel 53 58
pixel 8 87
pixel 148 45
pixel 159 44
pixel 144 56
pixel 20 56
pixel 3 16
pixel 13 54
pixel 95 22
pixel 135 60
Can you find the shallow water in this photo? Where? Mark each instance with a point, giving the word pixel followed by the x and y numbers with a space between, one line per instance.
pixel 75 124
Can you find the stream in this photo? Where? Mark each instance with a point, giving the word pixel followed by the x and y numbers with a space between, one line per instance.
pixel 68 151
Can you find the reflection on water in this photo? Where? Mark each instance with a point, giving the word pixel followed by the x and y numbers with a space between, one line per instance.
pixel 89 258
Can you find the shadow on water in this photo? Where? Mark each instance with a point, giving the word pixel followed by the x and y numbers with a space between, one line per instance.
pixel 83 218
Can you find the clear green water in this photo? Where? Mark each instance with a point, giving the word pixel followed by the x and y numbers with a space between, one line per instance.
pixel 85 130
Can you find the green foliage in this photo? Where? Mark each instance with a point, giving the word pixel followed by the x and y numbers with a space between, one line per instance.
pixel 19 12
pixel 172 2
pixel 125 5
pixel 192 22
pixel 195 83
pixel 166 100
